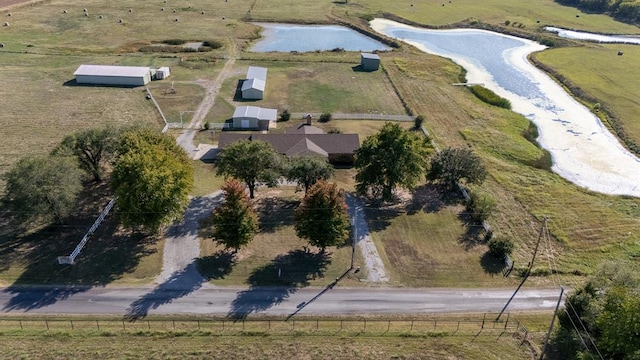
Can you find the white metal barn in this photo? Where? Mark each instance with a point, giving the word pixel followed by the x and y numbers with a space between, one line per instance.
pixel 113 75
pixel 253 87
pixel 253 117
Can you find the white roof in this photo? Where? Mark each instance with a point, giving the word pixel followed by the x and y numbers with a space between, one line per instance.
pixel 256 112
pixel 256 72
pixel 108 70
pixel 253 84
pixel 370 56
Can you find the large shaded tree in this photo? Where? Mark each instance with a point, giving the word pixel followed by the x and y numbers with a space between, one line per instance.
pixel 152 177
pixel 43 187
pixel 94 149
pixel 392 158
pixel 306 170
pixel 235 222
pixel 452 165
pixel 322 217
pixel 252 162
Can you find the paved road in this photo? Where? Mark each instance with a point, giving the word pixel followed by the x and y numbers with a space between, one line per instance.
pixel 239 302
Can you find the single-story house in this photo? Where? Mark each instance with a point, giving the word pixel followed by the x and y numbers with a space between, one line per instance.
pixel 303 140
pixel 255 83
pixel 369 62
pixel 254 117
pixel 113 75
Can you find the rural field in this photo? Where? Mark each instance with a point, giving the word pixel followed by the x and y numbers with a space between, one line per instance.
pixel 424 241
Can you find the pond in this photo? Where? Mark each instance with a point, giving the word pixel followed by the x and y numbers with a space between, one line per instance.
pixel 580 35
pixel 305 38
pixel 583 150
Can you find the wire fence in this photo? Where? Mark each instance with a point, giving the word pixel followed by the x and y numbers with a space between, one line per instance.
pixel 319 326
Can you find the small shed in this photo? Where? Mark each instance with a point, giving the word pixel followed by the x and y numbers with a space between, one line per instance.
pixel 253 117
pixel 163 73
pixel 255 83
pixel 113 75
pixel 369 62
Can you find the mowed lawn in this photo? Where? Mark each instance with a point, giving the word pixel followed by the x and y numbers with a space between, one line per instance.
pixel 318 87
pixel 599 71
pixel 276 256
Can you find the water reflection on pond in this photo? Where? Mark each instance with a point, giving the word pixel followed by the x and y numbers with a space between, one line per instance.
pixel 580 35
pixel 305 38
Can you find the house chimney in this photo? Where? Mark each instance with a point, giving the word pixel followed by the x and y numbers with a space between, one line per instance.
pixel 308 117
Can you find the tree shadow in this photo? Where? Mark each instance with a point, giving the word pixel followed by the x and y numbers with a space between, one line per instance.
pixel 271 284
pixel 180 283
pixel 275 213
pixel 199 208
pixel 491 265
pixel 216 266
pixel 474 234
pixel 109 253
pixel 431 198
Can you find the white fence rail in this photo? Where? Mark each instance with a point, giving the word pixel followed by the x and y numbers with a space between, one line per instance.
pixel 69 260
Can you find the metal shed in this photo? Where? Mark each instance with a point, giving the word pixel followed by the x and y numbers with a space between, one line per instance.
pixel 369 62
pixel 253 87
pixel 253 117
pixel 113 75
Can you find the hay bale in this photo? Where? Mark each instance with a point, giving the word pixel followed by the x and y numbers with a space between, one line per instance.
pixel 8 14
pixel 64 11
pixel 130 10
pixel 1 45
pixel 120 21
pixel 202 12
pixel 100 17
pixel 176 19
pixel 86 14
pixel 84 10
pixel 173 11
pixel 162 9
pixel 620 53
pixel 5 24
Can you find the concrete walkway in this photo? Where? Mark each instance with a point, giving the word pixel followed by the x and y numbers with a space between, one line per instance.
pixel 372 261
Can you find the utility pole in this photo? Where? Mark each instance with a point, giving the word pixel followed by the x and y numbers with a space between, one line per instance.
pixel 542 229
pixel 553 319
pixel 526 276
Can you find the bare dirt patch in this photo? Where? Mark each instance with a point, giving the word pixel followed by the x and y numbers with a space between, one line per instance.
pixel 9 4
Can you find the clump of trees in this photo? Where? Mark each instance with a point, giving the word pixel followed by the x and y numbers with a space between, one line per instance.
pixel 235 222
pixel 252 162
pixel 93 148
pixel 152 177
pixel 306 170
pixel 605 309
pixel 452 165
pixel 392 158
pixel 322 217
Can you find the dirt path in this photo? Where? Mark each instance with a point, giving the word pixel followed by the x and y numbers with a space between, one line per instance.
pixel 372 261
pixel 182 244
pixel 212 88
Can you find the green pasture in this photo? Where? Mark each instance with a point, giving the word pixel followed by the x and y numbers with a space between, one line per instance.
pixel 599 71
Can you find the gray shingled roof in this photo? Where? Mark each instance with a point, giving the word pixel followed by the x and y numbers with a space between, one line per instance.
pixel 293 144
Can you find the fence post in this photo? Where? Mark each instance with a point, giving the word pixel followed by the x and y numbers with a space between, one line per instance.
pixel 317 324
pixel 483 319
pixel 20 321
pixel 388 325
pixel 365 325
pixel 97 324
pixel 47 323
pixel 458 327
pixel 269 324
pixel 198 325
pixel 174 325
pixel 71 321
pixel 506 322
pixel 340 325
pixel 222 325
pixel 242 325
pixel 123 326
pixel 148 325
pixel 435 324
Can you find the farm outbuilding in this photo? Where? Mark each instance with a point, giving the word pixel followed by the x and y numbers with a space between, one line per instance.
pixel 255 83
pixel 369 62
pixel 253 117
pixel 113 75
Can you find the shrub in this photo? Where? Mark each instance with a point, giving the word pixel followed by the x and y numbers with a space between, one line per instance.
pixel 214 44
pixel 334 131
pixel 490 97
pixel 207 126
pixel 418 121
pixel 480 206
pixel 506 23
pixel 174 41
pixel 325 117
pixel 285 115
pixel 500 247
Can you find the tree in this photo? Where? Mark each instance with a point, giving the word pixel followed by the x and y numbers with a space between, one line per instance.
pixel 235 221
pixel 452 165
pixel 325 117
pixel 43 187
pixel 392 158
pixel 285 115
pixel 480 206
pixel 252 162
pixel 418 121
pixel 322 217
pixel 605 309
pixel 152 178
pixel 500 247
pixel 93 148
pixel 306 170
